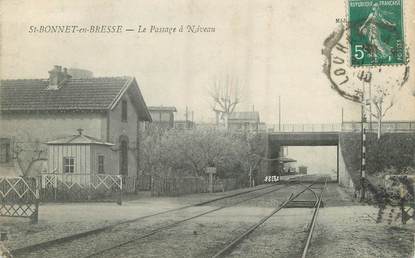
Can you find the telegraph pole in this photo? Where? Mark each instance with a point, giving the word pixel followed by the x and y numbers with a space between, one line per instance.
pixel 370 107
pixel 366 78
pixel 362 151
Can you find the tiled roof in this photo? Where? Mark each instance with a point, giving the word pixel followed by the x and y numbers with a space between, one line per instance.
pixel 75 94
pixel 244 116
pixel 79 139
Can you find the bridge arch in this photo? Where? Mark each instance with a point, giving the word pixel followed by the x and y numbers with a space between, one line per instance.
pixel 277 140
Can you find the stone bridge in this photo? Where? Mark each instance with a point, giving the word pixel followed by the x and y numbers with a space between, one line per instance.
pixel 321 135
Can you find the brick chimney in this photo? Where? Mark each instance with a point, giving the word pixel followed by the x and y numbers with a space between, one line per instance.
pixel 57 77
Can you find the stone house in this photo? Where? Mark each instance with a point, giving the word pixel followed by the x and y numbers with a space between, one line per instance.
pixel 36 111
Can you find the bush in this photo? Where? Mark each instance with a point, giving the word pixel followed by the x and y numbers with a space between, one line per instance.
pixel 393 151
pixel 189 152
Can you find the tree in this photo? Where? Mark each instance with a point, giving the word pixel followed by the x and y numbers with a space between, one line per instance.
pixel 151 149
pixel 383 96
pixel 381 107
pixel 197 149
pixel 253 153
pixel 26 154
pixel 226 96
pixel 180 153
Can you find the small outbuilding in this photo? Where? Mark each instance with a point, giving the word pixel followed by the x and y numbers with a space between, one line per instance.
pixel 81 154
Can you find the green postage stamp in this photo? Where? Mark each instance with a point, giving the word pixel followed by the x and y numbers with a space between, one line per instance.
pixel 376 32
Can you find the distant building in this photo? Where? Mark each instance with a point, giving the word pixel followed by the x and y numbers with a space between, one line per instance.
pixel 285 166
pixel 302 170
pixel 163 117
pixel 35 111
pixel 244 121
pixel 184 125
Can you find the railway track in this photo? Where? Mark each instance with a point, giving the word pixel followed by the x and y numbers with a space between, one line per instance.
pixel 61 240
pixel 176 223
pixel 113 248
pixel 313 222
pixel 318 202
pixel 115 245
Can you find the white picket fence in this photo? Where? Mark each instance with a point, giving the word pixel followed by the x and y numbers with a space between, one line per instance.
pixel 19 197
pixel 81 187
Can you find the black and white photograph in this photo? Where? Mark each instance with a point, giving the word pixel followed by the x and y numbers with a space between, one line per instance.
pixel 203 128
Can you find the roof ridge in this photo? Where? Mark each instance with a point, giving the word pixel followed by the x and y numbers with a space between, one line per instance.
pixel 78 139
pixel 34 79
pixel 71 138
pixel 121 92
pixel 92 138
pixel 96 93
pixel 104 77
pixel 89 78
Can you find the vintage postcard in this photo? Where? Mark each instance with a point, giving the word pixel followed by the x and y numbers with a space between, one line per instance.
pixel 200 128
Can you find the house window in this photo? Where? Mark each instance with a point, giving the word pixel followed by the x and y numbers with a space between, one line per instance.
pixel 100 164
pixel 124 111
pixel 68 165
pixel 5 151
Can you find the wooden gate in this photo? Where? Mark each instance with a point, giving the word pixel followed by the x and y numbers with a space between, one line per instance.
pixel 19 197
pixel 81 187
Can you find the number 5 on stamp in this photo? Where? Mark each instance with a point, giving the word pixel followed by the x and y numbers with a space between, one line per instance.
pixel 376 32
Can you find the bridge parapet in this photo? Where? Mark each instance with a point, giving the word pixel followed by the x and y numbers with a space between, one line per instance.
pixel 286 128
pixel 347 126
pixel 386 127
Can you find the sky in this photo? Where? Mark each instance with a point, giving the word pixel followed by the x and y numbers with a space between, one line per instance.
pixel 273 48
pixel 311 157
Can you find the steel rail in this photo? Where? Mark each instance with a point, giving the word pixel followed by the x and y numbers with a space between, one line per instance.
pixel 64 239
pixel 224 251
pixel 313 222
pixel 173 224
pixel 311 190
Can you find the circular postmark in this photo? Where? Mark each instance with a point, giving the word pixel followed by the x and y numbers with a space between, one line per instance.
pixel 353 82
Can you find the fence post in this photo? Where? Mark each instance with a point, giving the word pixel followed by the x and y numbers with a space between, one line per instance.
pixel 41 190
pixel 35 215
pixel 55 187
pixel 119 202
pixel 135 185
pixel 151 185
